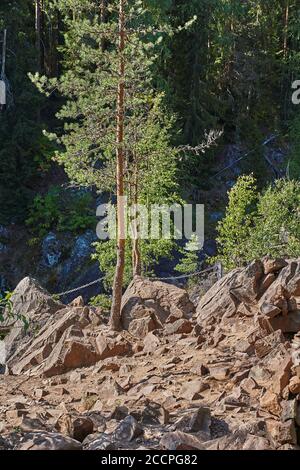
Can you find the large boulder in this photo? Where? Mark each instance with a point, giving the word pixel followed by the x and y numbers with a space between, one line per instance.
pixel 237 290
pixel 33 303
pixel 280 304
pixel 63 345
pixel 32 300
pixel 35 348
pixel 267 291
pixel 160 302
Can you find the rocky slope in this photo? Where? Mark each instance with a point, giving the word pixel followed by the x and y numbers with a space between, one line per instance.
pixel 224 374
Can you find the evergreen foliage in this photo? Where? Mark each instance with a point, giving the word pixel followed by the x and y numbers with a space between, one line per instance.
pixel 23 148
pixel 259 224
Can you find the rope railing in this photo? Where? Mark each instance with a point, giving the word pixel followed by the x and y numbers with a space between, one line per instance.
pixel 217 268
pixel 185 276
pixel 61 294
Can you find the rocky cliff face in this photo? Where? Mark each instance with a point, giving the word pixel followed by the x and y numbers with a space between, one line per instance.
pixel 222 375
pixel 60 261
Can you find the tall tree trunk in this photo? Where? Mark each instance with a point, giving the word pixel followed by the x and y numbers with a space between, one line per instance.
pixel 286 28
pixel 3 98
pixel 136 257
pixel 115 316
pixel 136 254
pixel 51 62
pixel 3 54
pixel 38 16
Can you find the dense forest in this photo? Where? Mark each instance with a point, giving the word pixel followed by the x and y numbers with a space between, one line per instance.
pixel 199 91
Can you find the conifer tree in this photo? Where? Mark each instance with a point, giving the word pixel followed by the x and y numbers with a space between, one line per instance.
pixel 112 112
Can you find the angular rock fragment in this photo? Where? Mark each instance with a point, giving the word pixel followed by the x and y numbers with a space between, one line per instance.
pixel 47 441
pixel 181 441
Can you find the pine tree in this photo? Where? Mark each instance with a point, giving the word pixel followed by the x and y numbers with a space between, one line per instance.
pixel 113 113
pixel 190 260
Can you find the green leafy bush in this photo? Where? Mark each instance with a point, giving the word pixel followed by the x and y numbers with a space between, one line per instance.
pixel 103 301
pixel 258 224
pixel 60 210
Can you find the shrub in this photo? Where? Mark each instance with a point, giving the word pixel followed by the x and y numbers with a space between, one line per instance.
pixel 234 230
pixel 62 211
pixel 103 301
pixel 189 262
pixel 259 224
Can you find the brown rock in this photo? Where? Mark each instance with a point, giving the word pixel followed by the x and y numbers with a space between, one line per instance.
pixel 180 441
pixel 61 391
pixel 261 375
pixel 78 302
pixel 181 326
pixel 219 373
pixel 256 443
pixel 273 265
pixel 76 376
pixel 119 412
pixel 269 310
pixel 111 388
pixel 14 414
pixel 294 385
pixel 240 286
pixel 297 417
pixel 297 371
pixel 28 424
pixel 40 393
pixel 191 390
pixel 140 327
pixel 279 294
pixel 145 297
pixel 200 369
pixel 233 441
pixel 70 354
pixel 288 447
pixel 244 346
pixel 240 376
pixel 267 344
pixel 270 402
pixel 151 343
pixel 111 347
pixel 77 427
pixel 282 433
pixel 266 282
pixel 38 349
pixel 282 377
pixel 250 387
